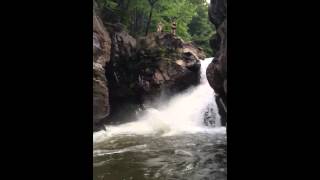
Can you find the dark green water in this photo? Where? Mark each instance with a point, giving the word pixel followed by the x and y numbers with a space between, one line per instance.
pixel 197 156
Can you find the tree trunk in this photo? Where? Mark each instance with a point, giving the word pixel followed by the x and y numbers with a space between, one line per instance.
pixel 134 25
pixel 149 20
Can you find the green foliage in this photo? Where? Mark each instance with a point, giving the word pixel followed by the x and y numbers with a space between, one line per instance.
pixel 166 10
pixel 201 29
pixel 191 18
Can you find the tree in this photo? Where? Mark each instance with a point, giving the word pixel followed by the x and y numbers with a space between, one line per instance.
pixel 151 3
pixel 200 29
pixel 182 10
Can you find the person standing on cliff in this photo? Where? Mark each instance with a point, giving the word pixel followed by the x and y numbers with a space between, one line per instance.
pixel 174 27
pixel 160 27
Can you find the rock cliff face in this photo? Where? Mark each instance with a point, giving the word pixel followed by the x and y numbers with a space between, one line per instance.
pixel 101 56
pixel 217 70
pixel 122 73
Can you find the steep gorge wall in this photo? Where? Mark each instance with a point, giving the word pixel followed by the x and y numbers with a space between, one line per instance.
pixel 101 56
pixel 217 70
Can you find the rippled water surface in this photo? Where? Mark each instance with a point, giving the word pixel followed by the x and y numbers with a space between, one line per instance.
pixel 188 156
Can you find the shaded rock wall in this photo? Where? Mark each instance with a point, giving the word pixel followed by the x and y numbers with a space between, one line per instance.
pixel 101 56
pixel 217 70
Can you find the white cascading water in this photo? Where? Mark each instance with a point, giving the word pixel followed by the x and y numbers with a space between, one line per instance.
pixel 183 113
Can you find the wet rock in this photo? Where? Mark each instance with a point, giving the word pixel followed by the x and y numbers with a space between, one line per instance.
pixel 217 70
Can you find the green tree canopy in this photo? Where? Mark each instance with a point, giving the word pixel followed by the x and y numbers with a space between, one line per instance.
pixel 191 18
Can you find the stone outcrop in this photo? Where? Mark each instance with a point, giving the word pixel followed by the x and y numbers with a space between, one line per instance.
pixel 167 64
pixel 121 71
pixel 101 56
pixel 217 70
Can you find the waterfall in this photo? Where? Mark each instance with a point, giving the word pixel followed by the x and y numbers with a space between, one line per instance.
pixel 193 111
